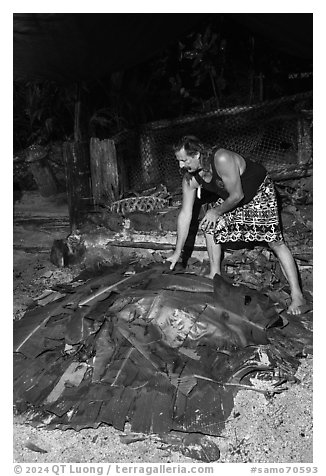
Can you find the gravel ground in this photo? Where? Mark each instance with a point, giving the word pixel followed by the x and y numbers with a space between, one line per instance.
pixel 279 430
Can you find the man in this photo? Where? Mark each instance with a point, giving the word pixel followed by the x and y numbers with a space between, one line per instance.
pixel 245 209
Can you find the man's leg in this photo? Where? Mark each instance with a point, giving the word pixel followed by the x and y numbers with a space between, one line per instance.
pixel 290 271
pixel 214 254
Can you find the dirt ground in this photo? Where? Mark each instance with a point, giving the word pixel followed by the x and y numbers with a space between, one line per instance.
pixel 279 430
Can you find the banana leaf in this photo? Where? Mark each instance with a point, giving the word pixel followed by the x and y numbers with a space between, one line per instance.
pixel 164 351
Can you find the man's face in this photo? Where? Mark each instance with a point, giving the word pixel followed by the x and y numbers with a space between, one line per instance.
pixel 188 162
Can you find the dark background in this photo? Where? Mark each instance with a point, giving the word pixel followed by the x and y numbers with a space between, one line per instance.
pixel 128 69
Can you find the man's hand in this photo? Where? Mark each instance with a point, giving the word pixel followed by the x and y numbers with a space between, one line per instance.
pixel 174 258
pixel 210 219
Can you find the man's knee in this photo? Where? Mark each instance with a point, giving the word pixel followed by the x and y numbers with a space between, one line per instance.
pixel 275 245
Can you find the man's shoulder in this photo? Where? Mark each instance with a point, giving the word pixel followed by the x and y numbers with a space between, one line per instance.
pixel 222 154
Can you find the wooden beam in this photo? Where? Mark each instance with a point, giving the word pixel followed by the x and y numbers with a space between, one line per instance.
pixel 104 171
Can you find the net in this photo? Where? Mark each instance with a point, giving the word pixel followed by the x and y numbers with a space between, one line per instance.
pixel 272 133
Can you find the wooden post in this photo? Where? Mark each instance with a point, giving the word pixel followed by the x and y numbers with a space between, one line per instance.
pixel 104 171
pixel 41 170
pixel 76 155
pixel 304 140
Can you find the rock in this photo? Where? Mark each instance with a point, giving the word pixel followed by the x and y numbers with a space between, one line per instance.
pixel 199 447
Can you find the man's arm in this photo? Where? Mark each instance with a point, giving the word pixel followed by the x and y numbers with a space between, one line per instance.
pixel 184 218
pixel 228 170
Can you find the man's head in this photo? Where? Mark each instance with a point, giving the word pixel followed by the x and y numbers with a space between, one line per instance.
pixel 188 152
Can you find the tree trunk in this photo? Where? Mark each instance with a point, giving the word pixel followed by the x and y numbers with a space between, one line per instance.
pixel 44 178
pixel 76 156
pixel 104 171
pixel 41 170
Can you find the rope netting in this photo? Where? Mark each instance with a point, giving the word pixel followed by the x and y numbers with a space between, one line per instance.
pixel 272 133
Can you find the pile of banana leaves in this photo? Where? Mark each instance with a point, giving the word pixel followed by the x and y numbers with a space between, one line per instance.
pixel 162 351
